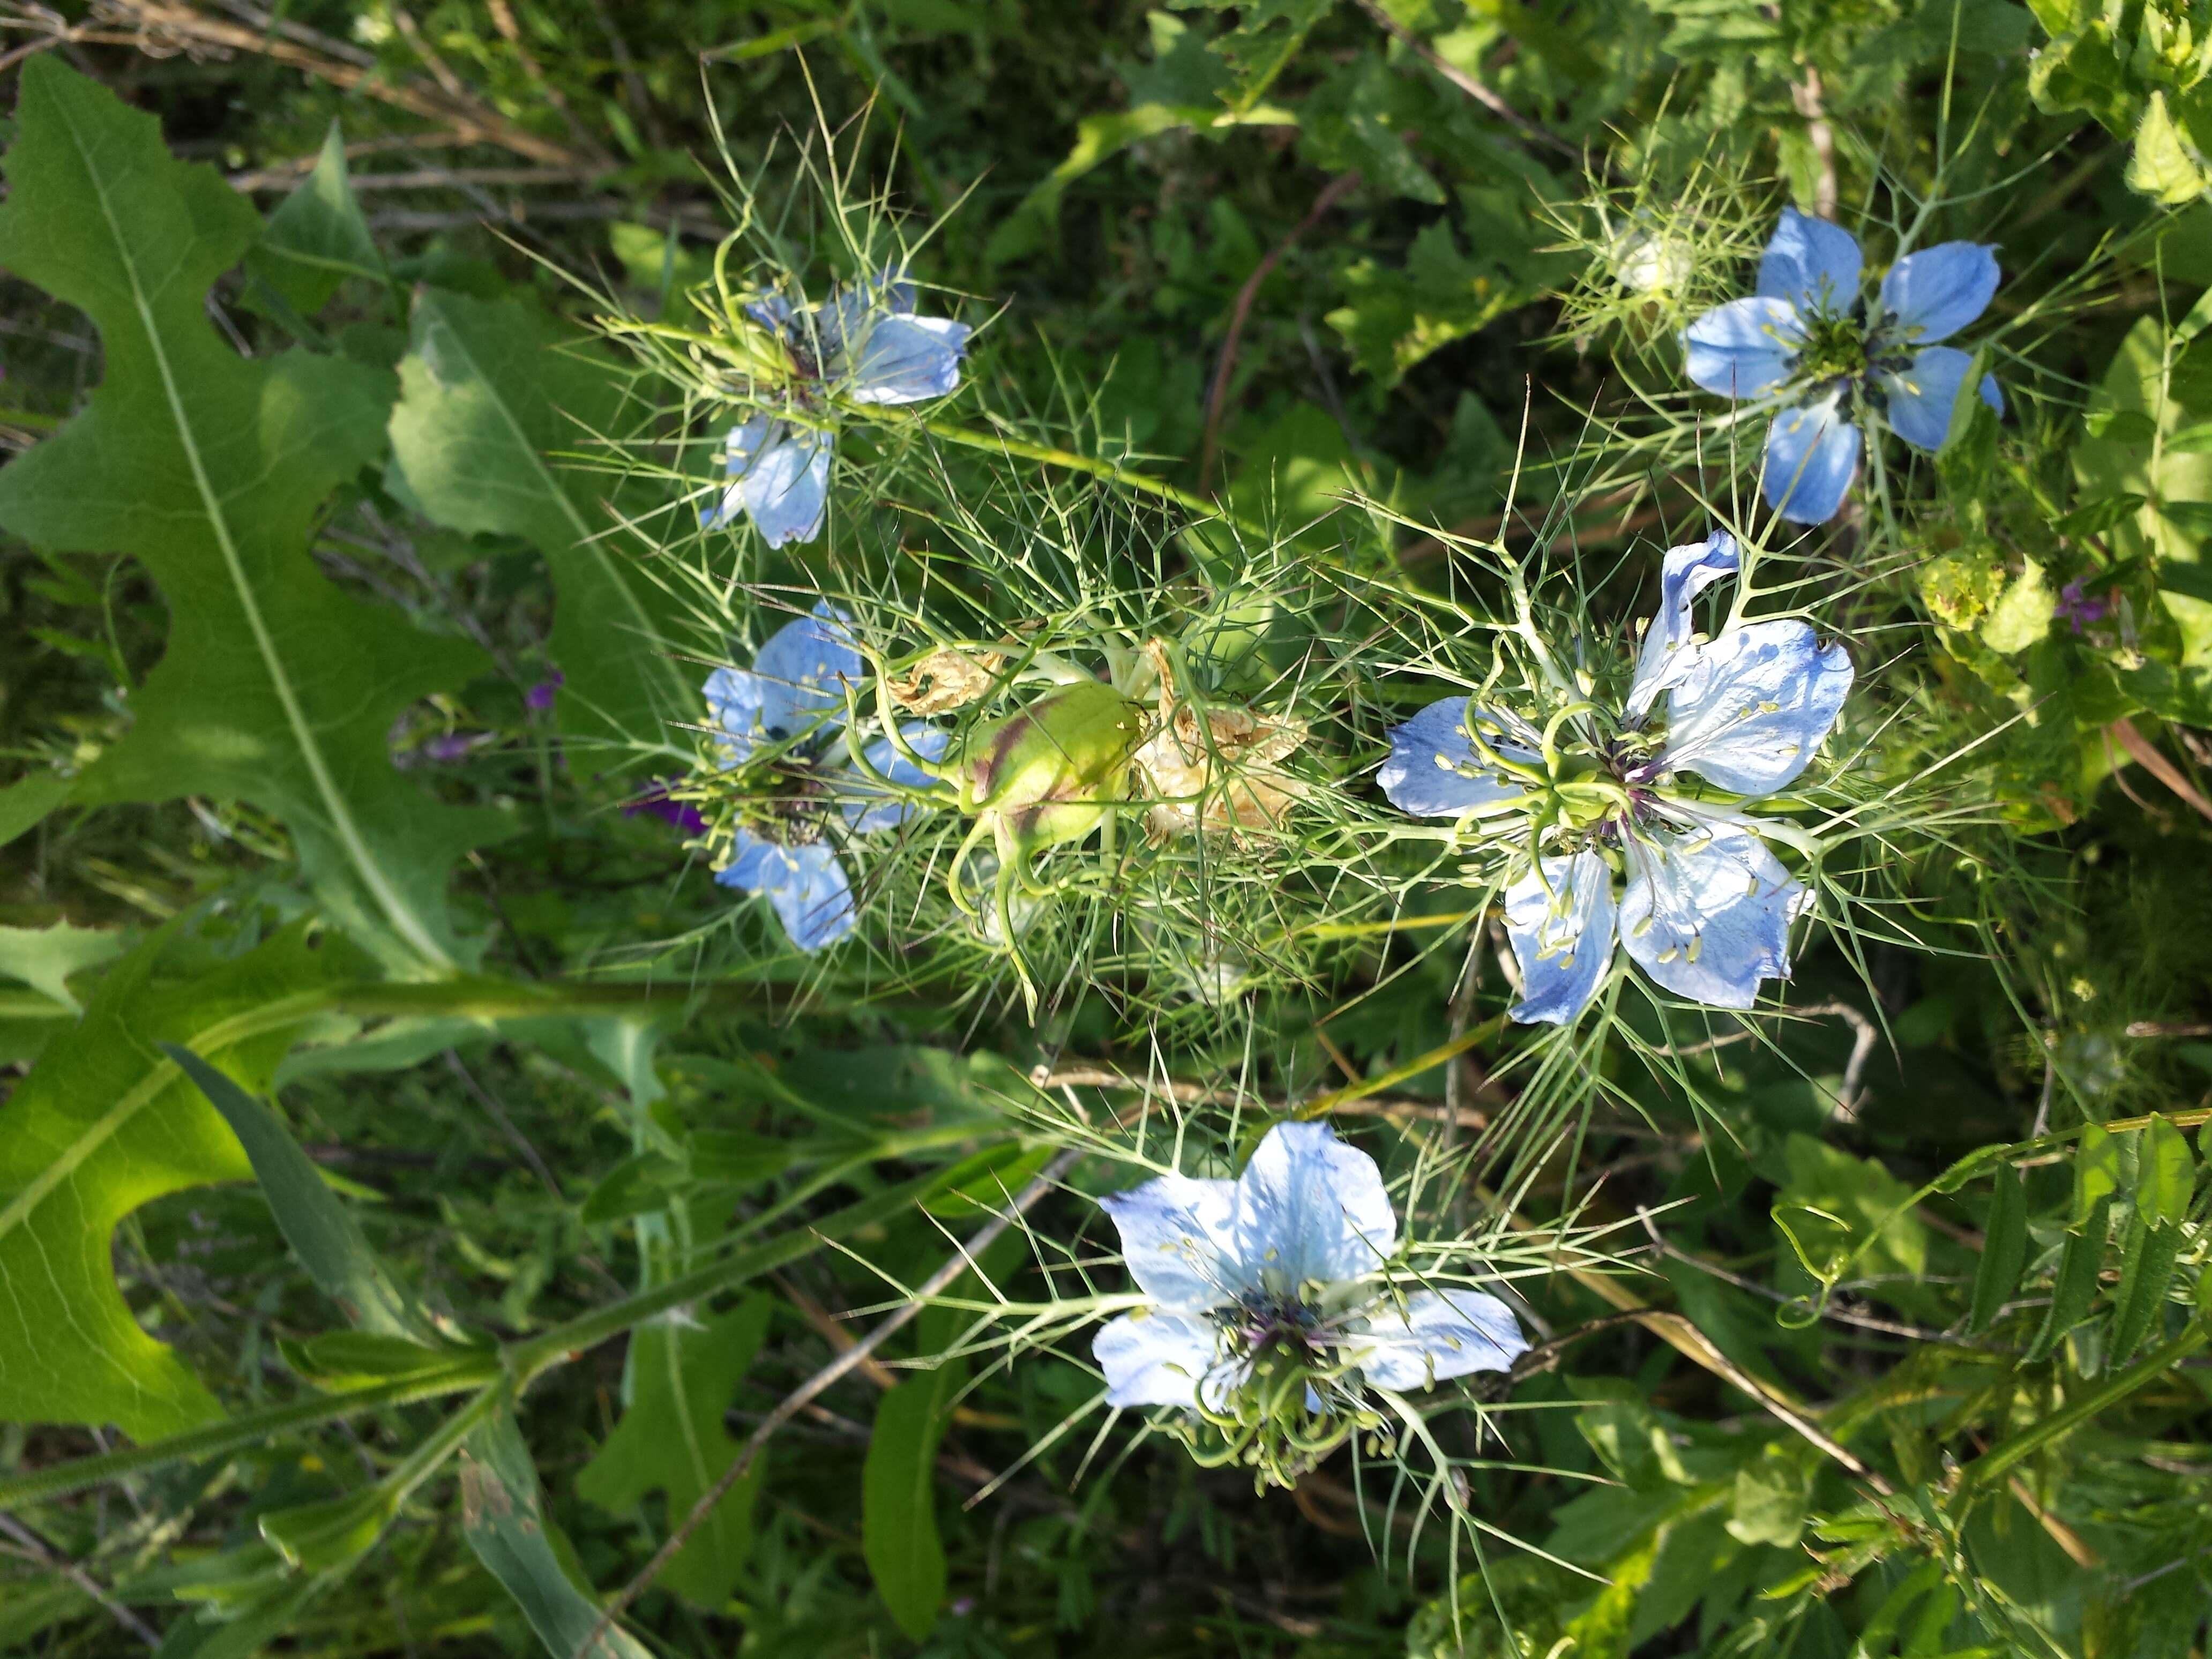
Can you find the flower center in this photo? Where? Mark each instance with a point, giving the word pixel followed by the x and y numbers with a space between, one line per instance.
pixel 1835 348
pixel 782 798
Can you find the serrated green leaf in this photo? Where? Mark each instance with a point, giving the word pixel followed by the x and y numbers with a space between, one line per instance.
pixel 103 1125
pixel 318 237
pixel 2004 1249
pixel 507 1526
pixel 320 1229
pixel 2166 167
pixel 898 1496
pixel 490 395
pixel 45 958
pixel 276 687
pixel 683 1377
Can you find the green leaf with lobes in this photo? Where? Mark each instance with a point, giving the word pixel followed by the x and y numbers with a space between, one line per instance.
pixel 684 1376
pixel 104 1124
pixel 491 394
pixel 276 687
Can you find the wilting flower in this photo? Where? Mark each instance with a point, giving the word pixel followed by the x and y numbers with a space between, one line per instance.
pixel 1801 341
pixel 780 727
pixel 865 346
pixel 1271 1307
pixel 1707 908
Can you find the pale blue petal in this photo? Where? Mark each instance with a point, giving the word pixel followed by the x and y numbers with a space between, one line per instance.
pixel 1433 771
pixel 1991 394
pixel 928 741
pixel 1309 1208
pixel 1437 1334
pixel 1178 1238
pixel 1744 348
pixel 1921 398
pixel 738 700
pixel 1931 295
pixel 1155 1358
pixel 745 443
pixel 1812 263
pixel 812 657
pixel 905 360
pixel 1812 453
pixel 1562 937
pixel 805 884
pixel 771 311
pixel 786 487
pixel 1684 574
pixel 1750 708
pixel 1707 912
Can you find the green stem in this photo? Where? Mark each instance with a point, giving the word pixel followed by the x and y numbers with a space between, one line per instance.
pixel 239 1432
pixel 1993 1465
pixel 999 443
pixel 1367 1087
pixel 524 1361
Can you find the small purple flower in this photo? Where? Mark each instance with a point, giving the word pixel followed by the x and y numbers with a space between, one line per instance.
pixel 2078 608
pixel 657 802
pixel 448 746
pixel 540 696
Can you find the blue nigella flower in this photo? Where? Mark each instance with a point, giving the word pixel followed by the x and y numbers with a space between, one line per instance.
pixel 1282 1262
pixel 1707 908
pixel 865 346
pixel 1799 341
pixel 781 720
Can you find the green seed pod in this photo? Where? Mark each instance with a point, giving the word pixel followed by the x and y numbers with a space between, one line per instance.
pixel 1051 770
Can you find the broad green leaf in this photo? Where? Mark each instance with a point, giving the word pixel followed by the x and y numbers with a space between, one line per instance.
pixel 2076 1289
pixel 318 238
pixel 490 395
pixel 102 1125
pixel 683 1377
pixel 2165 1174
pixel 898 1496
pixel 2147 1275
pixel 1857 1196
pixel 2004 1249
pixel 1772 1491
pixel 210 468
pixel 1396 318
pixel 506 1525
pixel 2096 1173
pixel 2166 167
pixel 320 1229
pixel 45 958
pixel 25 805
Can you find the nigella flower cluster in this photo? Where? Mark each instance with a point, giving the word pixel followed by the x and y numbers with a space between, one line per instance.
pixel 1273 1309
pixel 865 346
pixel 781 724
pixel 1599 794
pixel 1800 340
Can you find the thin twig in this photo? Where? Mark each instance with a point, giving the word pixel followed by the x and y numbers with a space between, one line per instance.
pixel 2141 748
pixel 1331 195
pixel 805 1394
pixel 1465 82
pixel 49 1557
